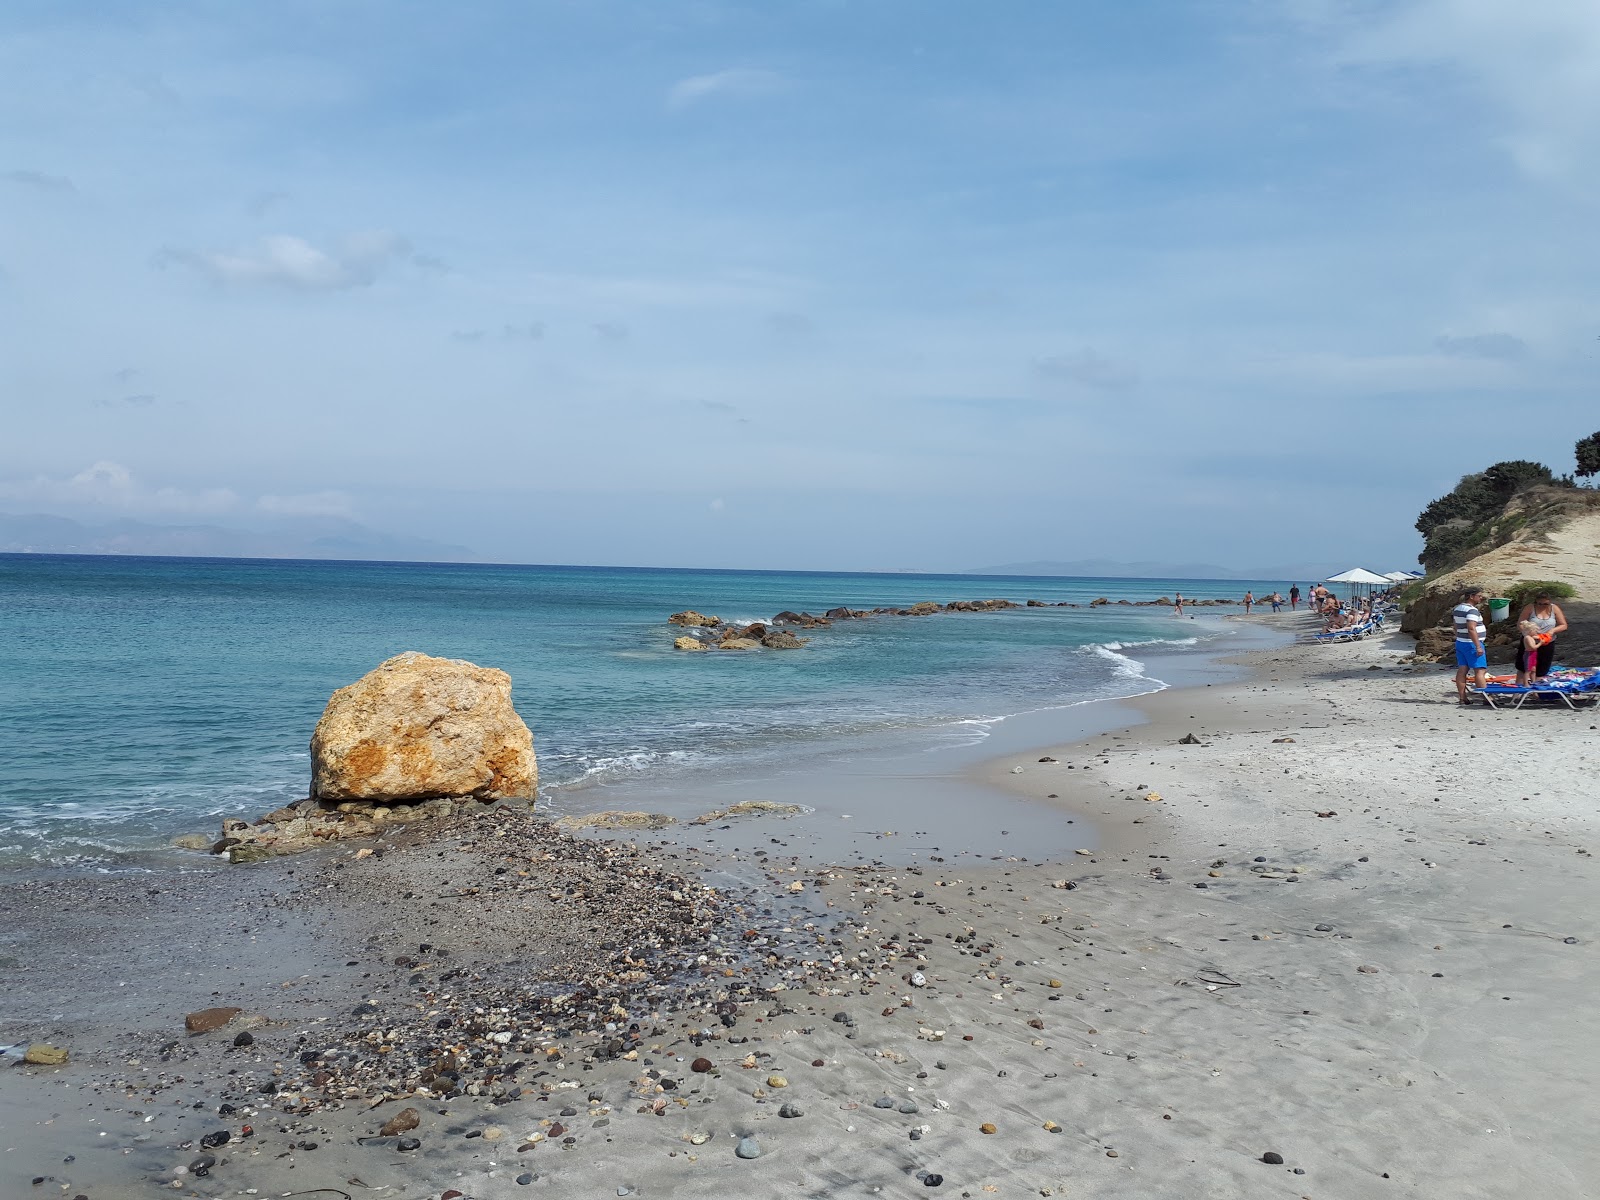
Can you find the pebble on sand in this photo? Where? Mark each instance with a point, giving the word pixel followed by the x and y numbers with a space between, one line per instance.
pixel 748 1147
pixel 404 1120
pixel 987 1127
pixel 1273 1158
pixel 207 1019
pixel 42 1054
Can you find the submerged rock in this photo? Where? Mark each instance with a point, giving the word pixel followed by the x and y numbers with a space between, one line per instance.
pixel 418 727
pixel 689 617
pixel 617 820
pixel 689 643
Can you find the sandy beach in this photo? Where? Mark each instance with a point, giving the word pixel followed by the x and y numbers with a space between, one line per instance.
pixel 1350 926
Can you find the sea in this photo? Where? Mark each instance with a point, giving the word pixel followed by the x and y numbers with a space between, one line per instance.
pixel 145 697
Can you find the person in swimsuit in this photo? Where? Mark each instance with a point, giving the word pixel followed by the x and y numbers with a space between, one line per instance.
pixel 1249 599
pixel 1294 597
pixel 1540 622
pixel 1177 606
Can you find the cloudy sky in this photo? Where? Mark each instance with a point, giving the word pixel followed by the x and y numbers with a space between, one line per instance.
pixel 798 283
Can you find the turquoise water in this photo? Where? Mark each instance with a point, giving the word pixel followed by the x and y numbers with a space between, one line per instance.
pixel 143 697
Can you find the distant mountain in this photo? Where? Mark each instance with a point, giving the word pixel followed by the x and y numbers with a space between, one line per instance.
pixel 1106 568
pixel 300 537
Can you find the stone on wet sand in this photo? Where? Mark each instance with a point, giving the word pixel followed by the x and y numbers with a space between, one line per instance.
pixel 207 1019
pixel 403 1121
pixel 748 1147
pixel 616 820
pixel 42 1054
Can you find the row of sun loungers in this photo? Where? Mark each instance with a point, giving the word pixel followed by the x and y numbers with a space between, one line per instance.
pixel 1572 686
pixel 1352 633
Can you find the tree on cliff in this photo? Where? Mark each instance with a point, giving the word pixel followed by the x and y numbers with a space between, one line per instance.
pixel 1460 519
pixel 1588 452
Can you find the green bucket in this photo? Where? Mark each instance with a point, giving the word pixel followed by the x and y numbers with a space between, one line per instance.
pixel 1499 609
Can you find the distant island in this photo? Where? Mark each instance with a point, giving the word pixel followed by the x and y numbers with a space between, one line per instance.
pixel 303 537
pixel 1106 568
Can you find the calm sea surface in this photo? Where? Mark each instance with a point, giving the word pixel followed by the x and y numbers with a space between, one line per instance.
pixel 142 697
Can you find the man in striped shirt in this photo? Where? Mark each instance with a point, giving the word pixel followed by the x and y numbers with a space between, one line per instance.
pixel 1470 652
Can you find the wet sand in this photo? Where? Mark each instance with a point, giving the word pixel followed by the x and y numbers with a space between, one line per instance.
pixel 1385 997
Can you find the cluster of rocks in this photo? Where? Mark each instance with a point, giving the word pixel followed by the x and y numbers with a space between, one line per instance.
pixel 1438 644
pixel 415 739
pixel 712 633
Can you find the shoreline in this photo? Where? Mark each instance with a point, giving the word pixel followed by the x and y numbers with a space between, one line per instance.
pixel 1327 1004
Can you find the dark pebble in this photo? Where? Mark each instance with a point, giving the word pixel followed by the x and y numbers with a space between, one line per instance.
pixel 202 1165
pixel 1273 1158
pixel 525 1179
pixel 790 1110
pixel 408 1144
pixel 932 1180
pixel 245 1039
pixel 883 1102
pixel 569 1112
pixel 1570 941
pixel 220 1138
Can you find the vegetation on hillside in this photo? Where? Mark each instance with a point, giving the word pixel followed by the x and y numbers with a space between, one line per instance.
pixel 1455 525
pixel 1522 595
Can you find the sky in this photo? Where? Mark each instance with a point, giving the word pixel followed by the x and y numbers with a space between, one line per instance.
pixel 807 284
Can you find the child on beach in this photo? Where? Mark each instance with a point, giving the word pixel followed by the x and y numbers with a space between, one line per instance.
pixel 1533 636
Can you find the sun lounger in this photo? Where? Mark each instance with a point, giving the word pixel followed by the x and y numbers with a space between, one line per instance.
pixel 1563 684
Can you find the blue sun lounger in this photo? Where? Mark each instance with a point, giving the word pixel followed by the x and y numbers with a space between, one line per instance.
pixel 1565 685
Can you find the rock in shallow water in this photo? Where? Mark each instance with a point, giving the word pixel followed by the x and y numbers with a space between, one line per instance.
pixel 417 727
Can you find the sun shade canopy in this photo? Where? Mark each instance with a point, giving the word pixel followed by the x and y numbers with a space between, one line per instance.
pixel 1356 575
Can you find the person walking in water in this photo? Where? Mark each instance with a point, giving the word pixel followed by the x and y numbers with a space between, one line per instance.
pixel 1177 606
pixel 1249 599
pixel 1294 597
pixel 1471 659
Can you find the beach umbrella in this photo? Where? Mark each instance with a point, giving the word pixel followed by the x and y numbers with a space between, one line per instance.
pixel 1358 577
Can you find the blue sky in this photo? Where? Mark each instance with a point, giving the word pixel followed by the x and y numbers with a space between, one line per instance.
pixel 781 284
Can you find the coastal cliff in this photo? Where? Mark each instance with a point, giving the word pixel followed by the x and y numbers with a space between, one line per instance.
pixel 1549 534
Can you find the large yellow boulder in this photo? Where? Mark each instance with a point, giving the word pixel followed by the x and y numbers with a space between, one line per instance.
pixel 418 727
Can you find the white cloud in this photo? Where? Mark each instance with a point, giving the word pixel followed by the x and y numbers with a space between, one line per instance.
pixel 284 260
pixel 109 485
pixel 737 81
pixel 1088 367
pixel 39 180
pixel 1538 64
pixel 1482 345
pixel 308 504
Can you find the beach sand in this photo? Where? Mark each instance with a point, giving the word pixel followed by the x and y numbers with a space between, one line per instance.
pixel 1394 997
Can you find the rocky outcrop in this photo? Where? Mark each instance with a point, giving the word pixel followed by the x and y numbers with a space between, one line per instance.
pixel 782 639
pixel 690 643
pixel 418 727
pixel 310 824
pixel 690 617
pixel 803 619
pixel 739 643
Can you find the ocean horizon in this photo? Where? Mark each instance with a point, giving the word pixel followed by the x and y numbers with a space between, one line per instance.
pixel 149 696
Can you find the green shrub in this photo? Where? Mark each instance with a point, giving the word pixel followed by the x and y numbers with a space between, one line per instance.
pixel 1522 595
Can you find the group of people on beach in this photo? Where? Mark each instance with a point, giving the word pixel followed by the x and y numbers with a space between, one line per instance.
pixel 1537 626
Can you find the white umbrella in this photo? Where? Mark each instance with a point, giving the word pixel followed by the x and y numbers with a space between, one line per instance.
pixel 1357 575
pixel 1399 576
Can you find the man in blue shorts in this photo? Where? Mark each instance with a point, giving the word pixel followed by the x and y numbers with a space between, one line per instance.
pixel 1470 655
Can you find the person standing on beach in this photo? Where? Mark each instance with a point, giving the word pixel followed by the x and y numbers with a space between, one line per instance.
pixel 1294 596
pixel 1471 658
pixel 1545 616
pixel 1249 599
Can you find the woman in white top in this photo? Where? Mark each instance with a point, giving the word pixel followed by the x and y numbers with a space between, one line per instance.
pixel 1545 615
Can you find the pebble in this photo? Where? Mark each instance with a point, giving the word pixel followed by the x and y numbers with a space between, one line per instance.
pixel 883 1102
pixel 408 1144
pixel 700 1066
pixel 245 1039
pixel 908 1107
pixel 777 1081
pixel 790 1110
pixel 932 1180
pixel 987 1127
pixel 1273 1158
pixel 525 1178
pixel 748 1147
